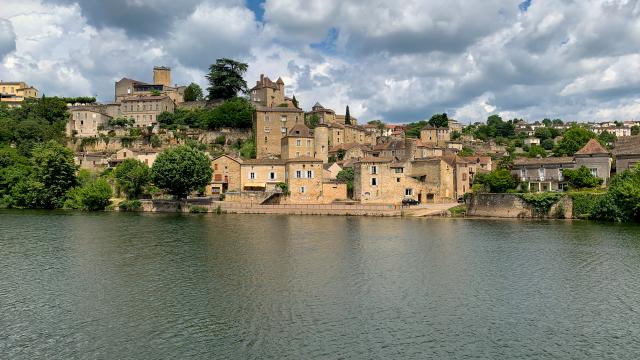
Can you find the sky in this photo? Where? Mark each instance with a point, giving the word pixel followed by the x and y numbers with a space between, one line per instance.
pixel 399 61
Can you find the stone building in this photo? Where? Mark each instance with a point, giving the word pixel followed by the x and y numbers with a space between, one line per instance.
pixel 627 153
pixel 86 121
pixel 304 177
pixel 270 125
pixel 14 93
pixel 268 93
pixel 297 143
pixel 325 116
pixel 261 174
pixel 144 110
pixel 596 158
pixel 435 136
pixel 321 142
pixel 92 161
pixel 145 156
pixel 126 87
pixel 542 174
pixel 226 175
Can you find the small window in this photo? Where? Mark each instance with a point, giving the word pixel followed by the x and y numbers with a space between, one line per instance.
pixel 252 176
pixel 374 169
pixel 399 170
pixel 408 192
pixel 298 174
pixel 309 142
pixel 594 171
pixel 309 174
pixel 302 189
pixel 272 175
pixel 215 166
pixel 267 129
pixel 397 179
pixel 374 182
pixel 298 142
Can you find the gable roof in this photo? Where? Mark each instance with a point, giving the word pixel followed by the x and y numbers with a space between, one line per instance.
pixel 628 145
pixel 592 147
pixel 300 130
pixel 543 161
pixel 230 156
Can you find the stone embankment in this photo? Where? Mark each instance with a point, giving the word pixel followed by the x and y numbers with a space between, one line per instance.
pixel 514 206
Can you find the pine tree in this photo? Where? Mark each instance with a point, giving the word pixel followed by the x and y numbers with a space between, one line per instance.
pixel 294 101
pixel 347 116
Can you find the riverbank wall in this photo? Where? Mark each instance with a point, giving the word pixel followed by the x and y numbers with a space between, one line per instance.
pixel 514 206
pixel 212 206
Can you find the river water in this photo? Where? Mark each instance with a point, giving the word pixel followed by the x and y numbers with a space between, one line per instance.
pixel 152 286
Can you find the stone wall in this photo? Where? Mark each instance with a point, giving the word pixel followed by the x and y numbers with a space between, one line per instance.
pixel 512 206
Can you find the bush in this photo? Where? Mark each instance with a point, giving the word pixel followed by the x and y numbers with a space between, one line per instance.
pixel 460 210
pixel 283 187
pixel 92 196
pixel 496 181
pixel 585 204
pixel 198 209
pixel 130 205
pixel 541 202
pixel 181 170
pixel 220 140
pixel 581 178
pixel 622 200
pixel 132 176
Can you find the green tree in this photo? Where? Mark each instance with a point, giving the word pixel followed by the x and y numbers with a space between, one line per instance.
pixel 496 181
pixel 378 123
pixel 573 140
pixel 193 92
pixel 295 101
pixel 466 151
pixel 225 79
pixel 607 138
pixel 234 113
pixel 439 120
pixel 52 175
pixel 635 130
pixel 547 122
pixel 622 200
pixel 132 176
pixel 535 151
pixel 181 170
pixel 455 135
pixel 347 176
pixel 312 121
pixel 581 178
pixel 94 195
pixel 347 116
pixel 548 144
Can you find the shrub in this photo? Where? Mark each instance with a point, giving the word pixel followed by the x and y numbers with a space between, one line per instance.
pixel 198 209
pixel 460 210
pixel 220 140
pixel 130 205
pixel 585 204
pixel 181 170
pixel 581 178
pixel 541 202
pixel 132 176
pixel 496 181
pixel 93 195
pixel 622 200
pixel 283 187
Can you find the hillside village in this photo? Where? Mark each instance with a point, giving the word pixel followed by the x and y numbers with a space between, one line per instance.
pixel 286 155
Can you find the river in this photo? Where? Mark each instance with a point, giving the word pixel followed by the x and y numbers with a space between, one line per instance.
pixel 165 286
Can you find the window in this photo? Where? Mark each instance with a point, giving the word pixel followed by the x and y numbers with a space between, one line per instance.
pixel 272 175
pixel 523 173
pixel 309 142
pixel 298 174
pixel 283 118
pixel 541 173
pixel 399 170
pixel 408 192
pixel 594 171
pixel 464 177
pixel 267 129
pixel 215 166
pixel 308 153
pixel 374 169
pixel 301 189
pixel 309 174
pixel 297 153
pixel 284 130
pixel 252 176
pixel 298 142
pixel 374 181
pixel 560 175
pixel 397 179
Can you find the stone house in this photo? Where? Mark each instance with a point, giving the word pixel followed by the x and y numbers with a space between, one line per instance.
pixel 126 87
pixel 531 141
pixel 331 171
pixel 627 153
pixel 297 143
pixel 86 121
pixel 268 93
pixel 596 158
pixel 147 157
pixel 304 180
pixel 226 175
pixel 326 116
pixel 542 174
pixel 13 93
pixel 92 161
pixel 261 174
pixel 144 110
pixel 435 136
pixel 350 151
pixel 390 149
pixel 437 178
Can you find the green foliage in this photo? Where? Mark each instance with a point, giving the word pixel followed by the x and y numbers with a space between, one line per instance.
pixel 93 195
pixel 455 135
pixel 234 113
pixel 220 140
pixel 622 200
pixel 155 141
pixel 312 121
pixel 195 209
pixel 225 79
pixel 548 144
pixel 496 181
pixel 132 176
pixel 635 130
pixel 135 132
pixel 283 187
pixel 181 170
pixel 541 202
pixel 121 122
pixel 347 176
pixel 535 151
pixel 283 105
pixel 439 120
pixel 573 140
pixel 248 149
pixel 295 101
pixel 545 133
pixel 347 116
pixel 378 123
pixel 130 205
pixel 607 138
pixel 79 100
pixel 155 92
pixel 458 211
pixel 193 92
pixel 581 178
pixel 466 151
pixel 585 204
pixel 413 129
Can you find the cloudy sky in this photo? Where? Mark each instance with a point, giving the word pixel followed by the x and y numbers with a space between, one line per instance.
pixel 396 60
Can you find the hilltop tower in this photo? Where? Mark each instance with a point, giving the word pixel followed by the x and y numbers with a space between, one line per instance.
pixel 162 76
pixel 321 142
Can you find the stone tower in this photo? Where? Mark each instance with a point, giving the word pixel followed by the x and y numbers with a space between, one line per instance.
pixel 321 141
pixel 162 76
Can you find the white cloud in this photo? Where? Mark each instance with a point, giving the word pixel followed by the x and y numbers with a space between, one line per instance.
pixel 7 38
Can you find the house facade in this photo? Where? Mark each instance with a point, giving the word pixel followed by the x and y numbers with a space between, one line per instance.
pixel 225 175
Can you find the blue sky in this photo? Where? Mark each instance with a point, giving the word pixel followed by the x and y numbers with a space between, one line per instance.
pixel 396 61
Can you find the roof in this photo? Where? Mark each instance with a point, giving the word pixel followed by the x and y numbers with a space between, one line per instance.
pixel 277 109
pixel 390 145
pixel 628 145
pixel 265 82
pixel 543 161
pixel 263 162
pixel 328 166
pixel 146 98
pixel 318 105
pixel 300 130
pixel 348 146
pixel 592 147
pixel 230 156
pixel 303 159
pixel 478 159
pixel 371 159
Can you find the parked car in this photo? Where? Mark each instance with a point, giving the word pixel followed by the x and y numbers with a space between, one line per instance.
pixel 461 200
pixel 410 201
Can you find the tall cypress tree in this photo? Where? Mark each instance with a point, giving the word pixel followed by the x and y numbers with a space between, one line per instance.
pixel 347 116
